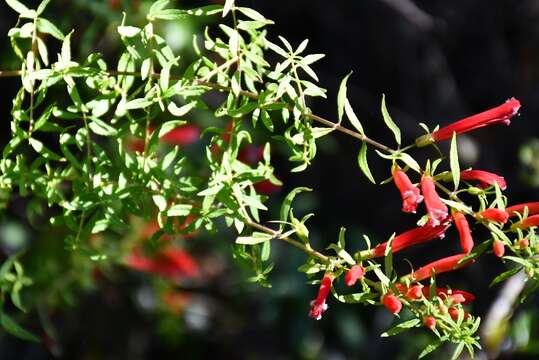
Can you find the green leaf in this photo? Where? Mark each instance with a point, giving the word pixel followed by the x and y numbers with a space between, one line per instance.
pixel 351 115
pixel 179 210
pixel 430 348
pixel 169 126
pixel 100 127
pixel 229 4
pixel 457 351
pixel 157 6
pixel 180 111
pixel 363 164
pixel 15 329
pixel 401 327
pixel 46 27
pixel 253 14
pixel 42 6
pixel 128 31
pixel 341 97
pixel 410 161
pixel 505 275
pixel 266 251
pixel 454 161
pixel 355 298
pixel 389 122
pixel 287 203
pixel 18 7
pixel 255 238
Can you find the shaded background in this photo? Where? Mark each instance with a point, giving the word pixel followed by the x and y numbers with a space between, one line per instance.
pixel 436 61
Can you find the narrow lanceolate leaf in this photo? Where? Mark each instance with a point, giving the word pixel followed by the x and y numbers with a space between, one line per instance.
pixel 18 7
pixel 363 164
pixel 180 111
pixel 255 238
pixel 389 122
pixel 351 115
pixel 42 7
pixel 454 161
pixel 15 329
pixel 430 348
pixel 228 6
pixel 341 97
pixel 401 327
pixel 287 203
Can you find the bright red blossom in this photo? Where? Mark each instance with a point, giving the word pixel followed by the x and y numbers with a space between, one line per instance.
pixel 356 272
pixel 170 263
pixel 466 240
pixel 499 114
pixel 318 305
pixel 527 222
pixel 411 237
pixel 436 209
pixel 533 208
pixel 485 178
pixel 392 303
pixel 439 266
pixel 411 196
pixel 182 135
pixel 496 215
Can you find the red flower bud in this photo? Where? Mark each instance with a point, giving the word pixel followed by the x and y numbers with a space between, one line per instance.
pixel 466 240
pixel 392 303
pixel 411 237
pixel 415 292
pixel 533 208
pixel 528 222
pixel 454 313
pixel 499 114
pixel 523 243
pixel 485 178
pixel 439 266
pixel 318 305
pixel 498 248
pixel 436 209
pixel 356 272
pixel 495 215
pixel 430 322
pixel 411 196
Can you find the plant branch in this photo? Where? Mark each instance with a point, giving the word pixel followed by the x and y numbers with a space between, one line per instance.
pixel 249 94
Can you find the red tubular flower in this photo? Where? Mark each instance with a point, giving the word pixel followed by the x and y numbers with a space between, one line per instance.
pixel 435 207
pixel 485 178
pixel 439 266
pixel 498 248
pixel 392 303
pixel 412 237
pixel 495 215
pixel 182 135
pixel 528 222
pixel 170 263
pixel 430 322
pixel 533 208
pixel 318 305
pixel 499 114
pixel 411 196
pixel 356 272
pixel 466 240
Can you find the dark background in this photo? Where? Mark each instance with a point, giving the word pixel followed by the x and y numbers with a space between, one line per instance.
pixel 436 61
